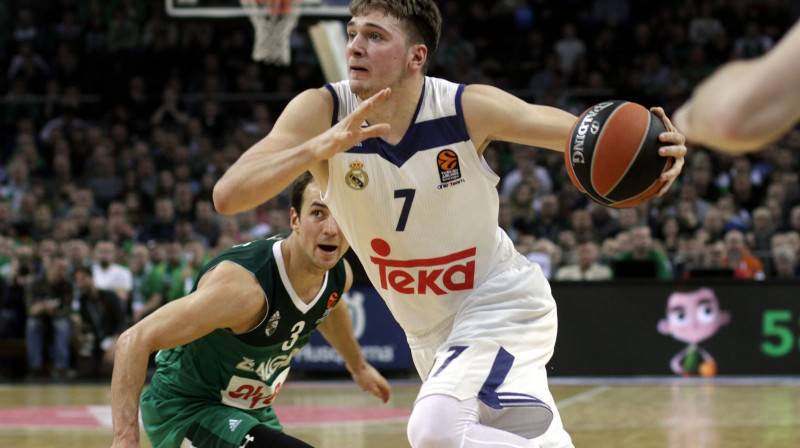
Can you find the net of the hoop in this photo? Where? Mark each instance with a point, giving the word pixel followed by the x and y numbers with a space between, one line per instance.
pixel 273 21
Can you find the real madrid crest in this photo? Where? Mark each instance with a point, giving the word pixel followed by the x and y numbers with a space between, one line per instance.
pixel 356 178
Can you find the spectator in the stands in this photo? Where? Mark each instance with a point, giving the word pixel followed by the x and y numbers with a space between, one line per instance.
pixel 161 227
pixel 49 300
pixel 739 258
pixel 643 250
pixel 98 320
pixel 587 266
pixel 110 275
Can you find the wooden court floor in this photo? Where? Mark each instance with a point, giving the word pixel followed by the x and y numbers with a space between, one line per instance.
pixel 603 413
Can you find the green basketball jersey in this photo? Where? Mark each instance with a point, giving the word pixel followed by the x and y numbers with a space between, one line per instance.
pixel 246 371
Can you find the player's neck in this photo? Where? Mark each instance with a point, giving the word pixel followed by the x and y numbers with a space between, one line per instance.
pixel 399 108
pixel 305 277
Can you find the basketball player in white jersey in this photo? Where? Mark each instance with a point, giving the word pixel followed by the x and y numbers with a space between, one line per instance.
pixel 399 158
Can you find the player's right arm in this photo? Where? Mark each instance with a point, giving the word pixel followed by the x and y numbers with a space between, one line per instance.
pixel 228 296
pixel 301 140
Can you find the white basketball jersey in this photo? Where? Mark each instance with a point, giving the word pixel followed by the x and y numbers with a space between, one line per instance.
pixel 421 215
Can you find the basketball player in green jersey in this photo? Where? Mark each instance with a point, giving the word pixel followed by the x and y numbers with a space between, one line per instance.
pixel 225 348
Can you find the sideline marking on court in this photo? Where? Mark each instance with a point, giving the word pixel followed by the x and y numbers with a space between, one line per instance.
pixel 771 380
pixel 581 397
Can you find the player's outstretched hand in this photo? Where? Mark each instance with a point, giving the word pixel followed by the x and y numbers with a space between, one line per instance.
pixel 347 132
pixel 677 149
pixel 370 380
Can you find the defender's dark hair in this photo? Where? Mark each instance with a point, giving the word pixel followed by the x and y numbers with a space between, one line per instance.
pixel 298 190
pixel 420 18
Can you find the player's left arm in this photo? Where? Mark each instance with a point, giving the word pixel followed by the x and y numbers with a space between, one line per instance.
pixel 337 329
pixel 493 114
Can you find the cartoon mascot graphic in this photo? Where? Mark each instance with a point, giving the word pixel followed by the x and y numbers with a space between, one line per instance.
pixel 693 317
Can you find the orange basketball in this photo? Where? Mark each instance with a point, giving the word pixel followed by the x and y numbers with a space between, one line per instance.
pixel 612 154
pixel 447 160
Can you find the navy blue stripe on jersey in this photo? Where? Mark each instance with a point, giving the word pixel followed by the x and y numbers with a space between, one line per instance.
pixel 460 109
pixel 335 117
pixel 420 137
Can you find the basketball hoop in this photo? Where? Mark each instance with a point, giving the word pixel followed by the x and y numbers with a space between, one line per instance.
pixel 273 21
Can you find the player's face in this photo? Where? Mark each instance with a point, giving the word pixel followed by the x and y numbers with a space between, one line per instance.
pixel 320 236
pixel 377 54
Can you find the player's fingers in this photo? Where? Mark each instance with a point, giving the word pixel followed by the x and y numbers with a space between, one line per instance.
pixel 354 120
pixel 371 102
pixel 659 112
pixel 384 391
pixel 672 136
pixel 665 188
pixel 670 175
pixel 677 151
pixel 376 130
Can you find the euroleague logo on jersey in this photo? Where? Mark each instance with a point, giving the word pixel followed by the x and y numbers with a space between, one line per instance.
pixel 332 300
pixel 447 162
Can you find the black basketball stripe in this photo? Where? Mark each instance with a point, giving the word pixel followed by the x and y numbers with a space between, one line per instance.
pixel 583 142
pixel 594 168
pixel 646 167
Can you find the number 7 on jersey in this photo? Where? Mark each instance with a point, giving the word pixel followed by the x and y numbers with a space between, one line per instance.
pixel 408 195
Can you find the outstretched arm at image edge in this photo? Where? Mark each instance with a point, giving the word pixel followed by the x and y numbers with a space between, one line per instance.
pixel 176 323
pixel 747 104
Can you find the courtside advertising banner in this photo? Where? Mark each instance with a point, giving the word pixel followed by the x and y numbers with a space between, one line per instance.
pixel 687 329
pixel 624 328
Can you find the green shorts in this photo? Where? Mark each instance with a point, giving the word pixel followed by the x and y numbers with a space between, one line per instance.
pixel 170 421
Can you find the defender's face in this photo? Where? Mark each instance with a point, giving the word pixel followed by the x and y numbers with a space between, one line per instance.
pixel 377 53
pixel 319 234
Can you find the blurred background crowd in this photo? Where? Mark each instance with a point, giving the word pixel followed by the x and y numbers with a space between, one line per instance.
pixel 116 121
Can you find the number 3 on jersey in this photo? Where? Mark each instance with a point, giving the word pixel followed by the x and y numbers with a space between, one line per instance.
pixel 407 194
pixel 296 329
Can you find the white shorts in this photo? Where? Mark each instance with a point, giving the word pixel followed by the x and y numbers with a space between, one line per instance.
pixel 496 350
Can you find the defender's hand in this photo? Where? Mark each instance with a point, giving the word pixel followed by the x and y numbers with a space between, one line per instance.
pixel 372 381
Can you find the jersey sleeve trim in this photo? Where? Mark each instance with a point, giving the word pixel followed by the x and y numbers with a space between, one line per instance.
pixel 335 117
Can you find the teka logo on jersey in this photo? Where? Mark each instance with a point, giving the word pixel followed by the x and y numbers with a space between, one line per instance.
pixel 440 275
pixel 246 393
pixel 356 178
pixel 447 162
